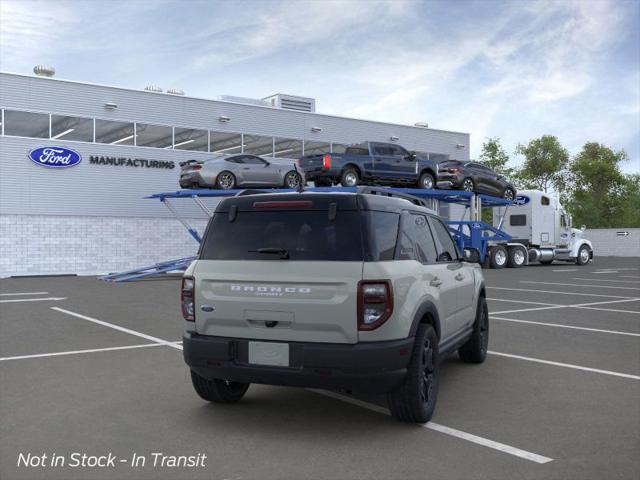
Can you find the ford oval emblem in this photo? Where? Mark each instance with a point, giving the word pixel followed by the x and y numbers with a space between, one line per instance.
pixel 521 200
pixel 55 157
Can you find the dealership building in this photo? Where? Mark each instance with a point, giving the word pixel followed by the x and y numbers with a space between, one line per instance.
pixel 119 145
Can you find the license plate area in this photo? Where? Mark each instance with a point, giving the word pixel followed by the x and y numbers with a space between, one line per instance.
pixel 269 353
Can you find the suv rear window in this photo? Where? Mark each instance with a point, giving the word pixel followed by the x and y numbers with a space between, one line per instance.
pixel 305 235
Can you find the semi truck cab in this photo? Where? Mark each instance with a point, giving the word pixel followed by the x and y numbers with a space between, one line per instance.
pixel 538 223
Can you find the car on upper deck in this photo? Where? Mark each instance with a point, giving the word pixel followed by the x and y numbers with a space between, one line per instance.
pixel 474 177
pixel 370 163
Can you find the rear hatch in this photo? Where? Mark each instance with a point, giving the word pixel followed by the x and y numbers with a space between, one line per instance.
pixel 281 267
pixel 312 163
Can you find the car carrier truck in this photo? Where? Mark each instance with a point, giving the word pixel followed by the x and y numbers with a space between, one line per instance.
pixel 540 231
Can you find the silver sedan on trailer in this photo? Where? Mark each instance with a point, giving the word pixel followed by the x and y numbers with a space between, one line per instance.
pixel 244 170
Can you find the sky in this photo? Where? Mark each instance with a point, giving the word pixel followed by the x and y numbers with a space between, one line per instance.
pixel 510 69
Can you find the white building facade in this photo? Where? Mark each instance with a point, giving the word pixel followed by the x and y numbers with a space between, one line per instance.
pixel 89 216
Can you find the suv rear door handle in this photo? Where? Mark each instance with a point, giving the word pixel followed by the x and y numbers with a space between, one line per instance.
pixel 436 282
pixel 459 277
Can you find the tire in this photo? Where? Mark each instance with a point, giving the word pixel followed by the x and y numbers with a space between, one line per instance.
pixel 468 185
pixel 584 255
pixel 415 400
pixel 292 179
pixel 475 349
pixel 509 194
pixel 517 257
pixel 218 391
pixel 499 256
pixel 349 177
pixel 225 180
pixel 426 181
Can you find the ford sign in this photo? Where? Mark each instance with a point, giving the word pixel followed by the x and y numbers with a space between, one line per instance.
pixel 55 157
pixel 521 200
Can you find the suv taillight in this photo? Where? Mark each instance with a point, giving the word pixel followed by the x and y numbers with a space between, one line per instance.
pixel 375 303
pixel 453 170
pixel 326 161
pixel 187 294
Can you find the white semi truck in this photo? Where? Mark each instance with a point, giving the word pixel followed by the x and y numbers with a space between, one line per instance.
pixel 541 232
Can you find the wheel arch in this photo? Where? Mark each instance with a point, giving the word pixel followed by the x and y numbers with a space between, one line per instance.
pixel 427 313
pixel 430 171
pixel 355 166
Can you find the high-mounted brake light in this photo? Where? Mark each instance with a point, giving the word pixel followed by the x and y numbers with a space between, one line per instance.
pixel 375 303
pixel 284 204
pixel 187 294
pixel 326 161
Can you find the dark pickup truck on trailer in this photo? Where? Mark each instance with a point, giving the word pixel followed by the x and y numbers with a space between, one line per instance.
pixel 370 163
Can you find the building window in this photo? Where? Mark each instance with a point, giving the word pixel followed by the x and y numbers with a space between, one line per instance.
pixel 114 133
pixel 191 139
pixel 258 145
pixel 287 148
pixel 225 143
pixel 71 128
pixel 316 148
pixel 157 136
pixel 26 124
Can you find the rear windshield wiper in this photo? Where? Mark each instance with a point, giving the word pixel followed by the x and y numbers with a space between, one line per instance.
pixel 283 252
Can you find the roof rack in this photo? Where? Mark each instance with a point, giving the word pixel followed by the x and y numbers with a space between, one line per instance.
pixel 386 192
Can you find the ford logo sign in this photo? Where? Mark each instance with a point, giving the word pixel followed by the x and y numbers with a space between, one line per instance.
pixel 55 157
pixel 521 200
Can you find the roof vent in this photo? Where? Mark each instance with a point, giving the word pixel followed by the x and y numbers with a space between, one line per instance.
pixel 421 124
pixel 175 91
pixel 153 88
pixel 44 71
pixel 291 102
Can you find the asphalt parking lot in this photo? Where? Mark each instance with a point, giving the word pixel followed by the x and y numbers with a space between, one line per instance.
pixel 93 367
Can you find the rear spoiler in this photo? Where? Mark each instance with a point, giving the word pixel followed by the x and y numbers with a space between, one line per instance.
pixel 189 162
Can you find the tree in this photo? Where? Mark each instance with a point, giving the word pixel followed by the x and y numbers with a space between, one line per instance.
pixel 495 157
pixel 545 164
pixel 600 195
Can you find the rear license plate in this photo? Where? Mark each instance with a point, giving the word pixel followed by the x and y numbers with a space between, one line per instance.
pixel 269 353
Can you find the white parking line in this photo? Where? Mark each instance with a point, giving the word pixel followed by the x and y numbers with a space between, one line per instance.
pixel 576 305
pixel 75 352
pixel 610 310
pixel 23 293
pixel 521 301
pixel 44 299
pixel 637 282
pixel 586 329
pixel 559 293
pixel 580 285
pixel 566 365
pixel 629 276
pixel 485 442
pixel 119 328
pixel 566 270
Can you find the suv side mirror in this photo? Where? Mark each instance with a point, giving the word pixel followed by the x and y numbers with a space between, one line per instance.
pixel 411 156
pixel 471 255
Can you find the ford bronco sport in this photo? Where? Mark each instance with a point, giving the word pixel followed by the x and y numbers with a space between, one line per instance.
pixel 360 291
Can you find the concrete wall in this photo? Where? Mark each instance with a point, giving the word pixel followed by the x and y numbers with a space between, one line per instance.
pixel 607 242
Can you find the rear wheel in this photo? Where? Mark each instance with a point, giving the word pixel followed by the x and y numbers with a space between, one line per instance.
pixel 415 400
pixel 498 256
pixel 468 185
pixel 475 349
pixel 517 257
pixel 292 179
pixel 583 255
pixel 226 180
pixel 426 181
pixel 349 177
pixel 218 391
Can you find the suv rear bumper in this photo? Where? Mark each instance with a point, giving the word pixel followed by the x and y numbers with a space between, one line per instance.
pixel 375 367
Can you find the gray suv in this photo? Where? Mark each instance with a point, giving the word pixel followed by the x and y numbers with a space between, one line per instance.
pixel 363 292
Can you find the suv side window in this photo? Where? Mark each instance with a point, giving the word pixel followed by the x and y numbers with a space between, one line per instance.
pixel 447 251
pixel 416 242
